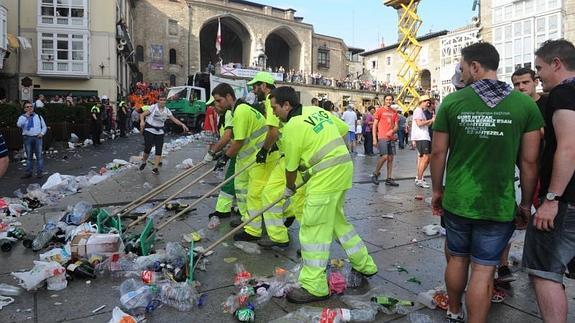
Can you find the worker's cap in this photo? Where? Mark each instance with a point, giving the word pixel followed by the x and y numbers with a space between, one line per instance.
pixel 210 101
pixel 424 98
pixel 122 103
pixel 262 77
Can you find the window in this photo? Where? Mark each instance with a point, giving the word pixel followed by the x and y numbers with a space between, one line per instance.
pixel 139 53
pixel 373 65
pixel 63 13
pixel 323 57
pixel 172 80
pixel 3 28
pixel 61 52
pixel 388 78
pixel 388 60
pixel 172 27
pixel 173 56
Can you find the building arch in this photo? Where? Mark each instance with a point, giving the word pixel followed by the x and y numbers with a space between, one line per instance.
pixel 283 49
pixel 236 41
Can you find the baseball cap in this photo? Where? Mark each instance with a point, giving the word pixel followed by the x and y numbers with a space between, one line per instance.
pixel 262 77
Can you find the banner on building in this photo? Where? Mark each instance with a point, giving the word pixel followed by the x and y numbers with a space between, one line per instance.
pixel 239 86
pixel 157 57
pixel 246 73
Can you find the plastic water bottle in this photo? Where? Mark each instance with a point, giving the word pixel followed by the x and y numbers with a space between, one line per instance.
pixel 135 296
pixel 248 247
pixel 181 296
pixel 362 315
pixel 43 238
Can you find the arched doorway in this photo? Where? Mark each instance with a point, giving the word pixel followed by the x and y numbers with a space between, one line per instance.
pixel 425 79
pixel 283 48
pixel 236 42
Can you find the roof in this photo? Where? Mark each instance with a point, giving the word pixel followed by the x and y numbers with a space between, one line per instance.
pixel 421 38
pixel 259 5
pixel 355 50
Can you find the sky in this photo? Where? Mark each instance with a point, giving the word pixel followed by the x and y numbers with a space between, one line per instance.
pixel 360 23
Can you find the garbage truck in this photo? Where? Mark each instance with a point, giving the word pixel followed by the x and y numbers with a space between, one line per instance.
pixel 188 104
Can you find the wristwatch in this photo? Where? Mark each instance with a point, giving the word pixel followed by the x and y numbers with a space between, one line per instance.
pixel 552 197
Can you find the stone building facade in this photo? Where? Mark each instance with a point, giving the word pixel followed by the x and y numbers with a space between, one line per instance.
pixel 518 27
pixel 248 30
pixel 68 47
pixel 383 64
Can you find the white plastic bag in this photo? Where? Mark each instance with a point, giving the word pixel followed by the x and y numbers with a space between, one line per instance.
pixel 42 270
pixel 118 316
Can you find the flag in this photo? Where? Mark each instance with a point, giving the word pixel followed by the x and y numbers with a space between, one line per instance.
pixel 219 38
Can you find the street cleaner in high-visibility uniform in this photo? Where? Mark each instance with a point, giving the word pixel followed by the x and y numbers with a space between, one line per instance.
pixel 282 214
pixel 249 131
pixel 226 198
pixel 312 142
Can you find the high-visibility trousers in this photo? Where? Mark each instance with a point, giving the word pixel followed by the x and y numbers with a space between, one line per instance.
pixel 227 192
pixel 323 218
pixel 274 217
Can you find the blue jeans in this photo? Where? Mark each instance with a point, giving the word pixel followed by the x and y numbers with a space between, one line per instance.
pixel 401 138
pixel 33 145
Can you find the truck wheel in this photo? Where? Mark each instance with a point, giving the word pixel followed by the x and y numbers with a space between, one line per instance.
pixel 199 126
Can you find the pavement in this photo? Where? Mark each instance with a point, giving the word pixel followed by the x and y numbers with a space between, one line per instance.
pixel 392 242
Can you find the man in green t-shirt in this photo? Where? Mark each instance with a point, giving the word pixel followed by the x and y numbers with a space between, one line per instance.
pixel 482 127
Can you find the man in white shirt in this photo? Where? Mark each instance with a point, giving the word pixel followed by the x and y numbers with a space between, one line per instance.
pixel 420 134
pixel 33 130
pixel 40 102
pixel 350 119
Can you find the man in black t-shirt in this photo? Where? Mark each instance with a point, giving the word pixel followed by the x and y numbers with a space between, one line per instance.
pixel 525 81
pixel 550 238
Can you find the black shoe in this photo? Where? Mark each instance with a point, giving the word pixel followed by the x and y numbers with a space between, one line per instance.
pixel 268 244
pixel 504 275
pixel 25 176
pixel 160 164
pixel 358 280
pixel 375 179
pixel 220 215
pixel 302 296
pixel 142 166
pixel 155 171
pixel 244 236
pixel 235 222
pixel 298 252
pixel 391 182
pixel 39 175
pixel 289 221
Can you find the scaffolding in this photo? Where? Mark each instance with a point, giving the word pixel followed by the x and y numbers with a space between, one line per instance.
pixel 409 48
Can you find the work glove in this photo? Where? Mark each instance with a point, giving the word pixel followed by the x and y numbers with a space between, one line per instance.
pixel 210 156
pixel 221 163
pixel 262 156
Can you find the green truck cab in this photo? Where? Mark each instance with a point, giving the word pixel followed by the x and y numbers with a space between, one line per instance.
pixel 188 104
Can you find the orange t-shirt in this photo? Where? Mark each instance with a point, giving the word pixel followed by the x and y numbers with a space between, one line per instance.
pixel 386 120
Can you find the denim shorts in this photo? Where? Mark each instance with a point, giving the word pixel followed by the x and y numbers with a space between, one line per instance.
pixel 547 253
pixel 386 147
pixel 482 240
pixel 350 136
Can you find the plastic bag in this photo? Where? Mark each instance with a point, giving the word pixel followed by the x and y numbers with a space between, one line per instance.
pixel 58 281
pixel 336 282
pixel 248 247
pixel 53 182
pixel 42 270
pixel 78 214
pixel 59 255
pixel 118 316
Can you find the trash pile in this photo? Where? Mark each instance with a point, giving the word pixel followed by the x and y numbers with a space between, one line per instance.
pixel 86 243
pixel 254 292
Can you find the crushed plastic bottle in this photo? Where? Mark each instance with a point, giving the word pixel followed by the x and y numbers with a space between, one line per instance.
pixel 326 315
pixel 248 247
pixel 43 238
pixel 426 298
pixel 181 296
pixel 136 296
pixel 9 290
pixel 419 318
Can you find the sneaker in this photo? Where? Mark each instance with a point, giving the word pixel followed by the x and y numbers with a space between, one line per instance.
pixel 155 171
pixel 220 215
pixel 142 166
pixel 455 318
pixel 269 244
pixel 25 176
pixel 302 296
pixel 422 184
pixel 505 275
pixel 235 222
pixel 375 179
pixel 244 236
pixel 391 182
pixel 498 296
